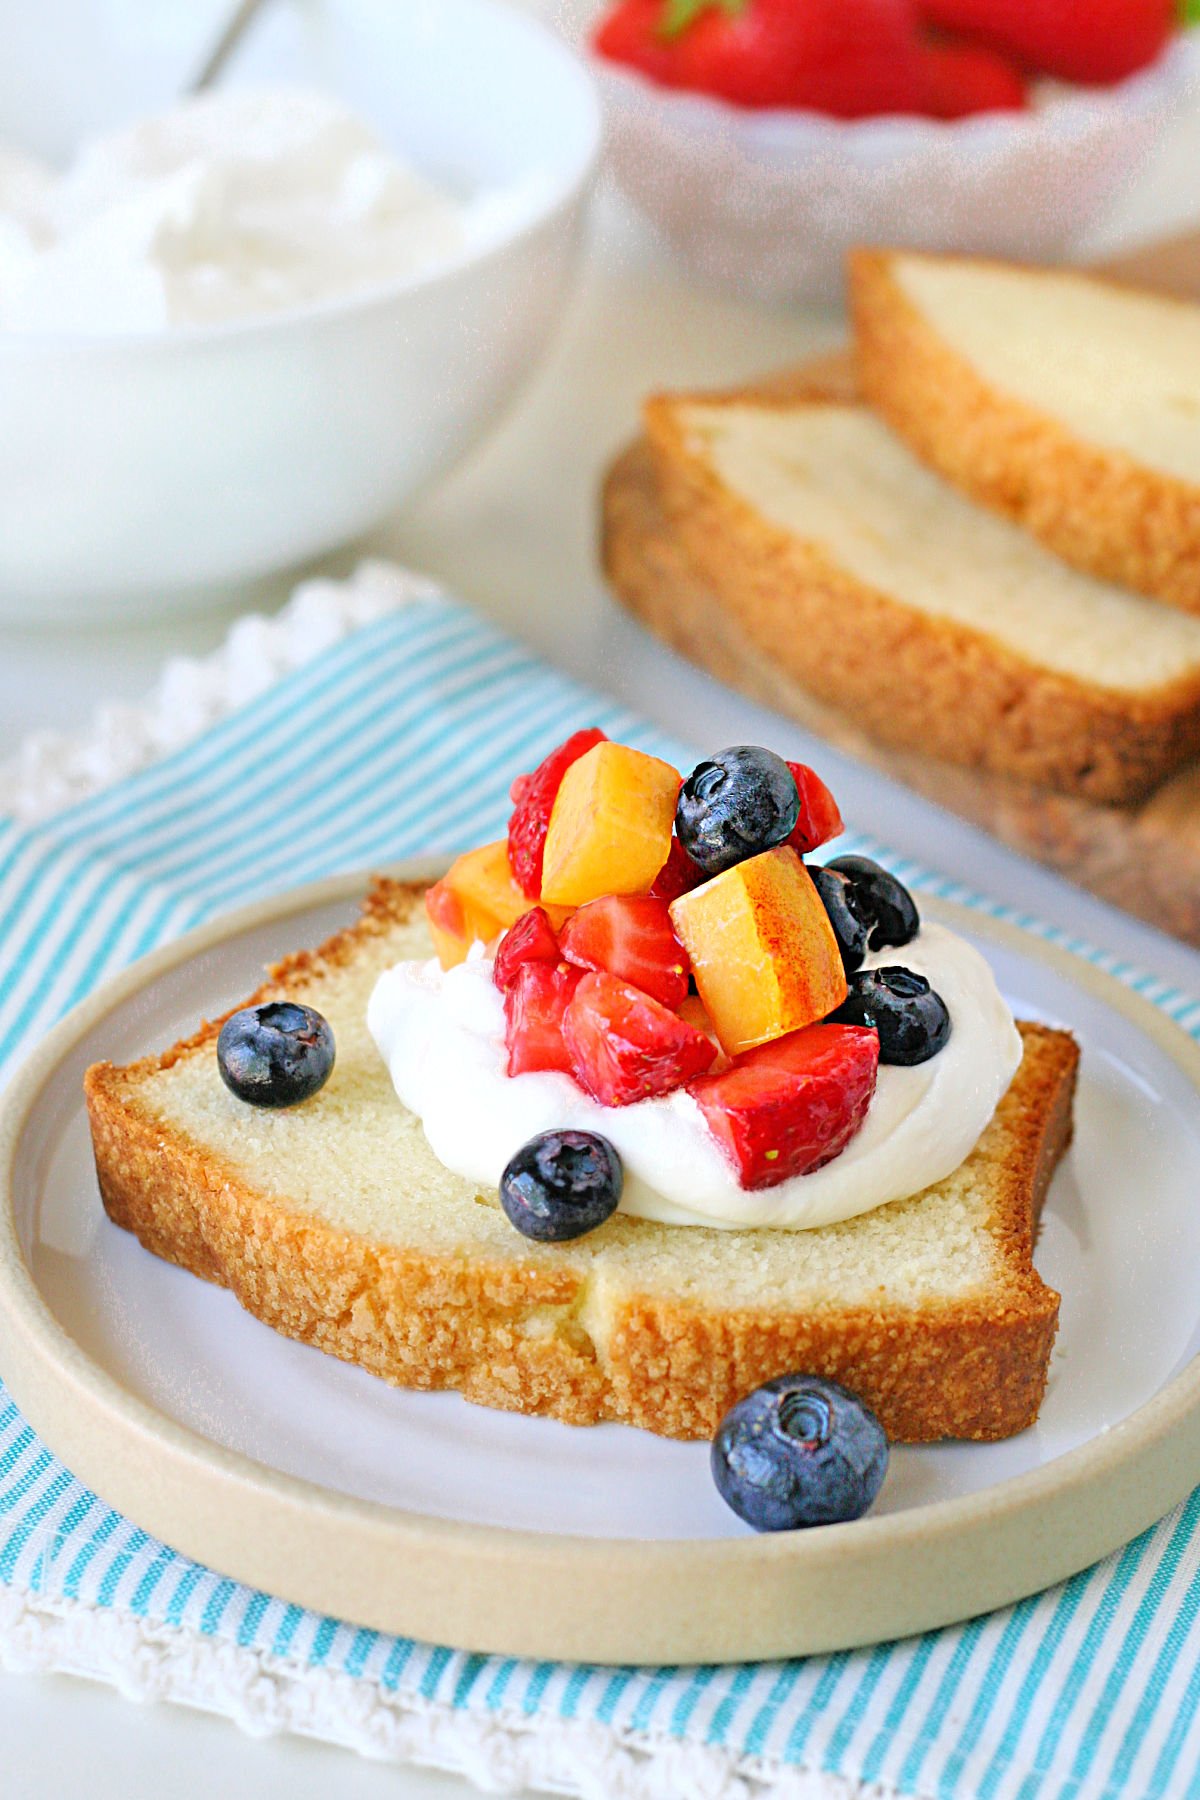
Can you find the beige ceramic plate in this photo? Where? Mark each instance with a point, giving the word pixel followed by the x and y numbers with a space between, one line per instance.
pixel 419 1514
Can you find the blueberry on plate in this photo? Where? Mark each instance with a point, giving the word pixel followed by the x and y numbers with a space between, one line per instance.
pixel 885 904
pixel 275 1055
pixel 562 1184
pixel 840 900
pixel 799 1451
pixel 736 805
pixel 911 1018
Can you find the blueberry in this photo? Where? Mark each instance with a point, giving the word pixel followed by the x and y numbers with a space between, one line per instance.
pixel 562 1184
pixel 911 1017
pixel 883 902
pixel 735 805
pixel 275 1055
pixel 840 900
pixel 799 1451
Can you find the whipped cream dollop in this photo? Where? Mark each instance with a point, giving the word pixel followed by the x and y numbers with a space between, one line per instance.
pixel 230 205
pixel 441 1034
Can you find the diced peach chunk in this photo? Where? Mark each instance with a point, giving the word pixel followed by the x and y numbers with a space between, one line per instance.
pixel 475 900
pixel 447 921
pixel 450 947
pixel 610 830
pixel 763 952
pixel 692 1011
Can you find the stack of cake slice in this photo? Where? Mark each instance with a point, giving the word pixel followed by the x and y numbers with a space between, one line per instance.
pixel 974 555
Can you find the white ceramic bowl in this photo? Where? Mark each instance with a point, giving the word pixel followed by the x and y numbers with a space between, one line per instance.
pixel 142 473
pixel 770 202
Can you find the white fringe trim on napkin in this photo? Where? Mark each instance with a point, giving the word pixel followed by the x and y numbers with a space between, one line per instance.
pixel 501 1753
pixel 53 770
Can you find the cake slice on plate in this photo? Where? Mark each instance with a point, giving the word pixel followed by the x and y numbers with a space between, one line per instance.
pixel 342 1222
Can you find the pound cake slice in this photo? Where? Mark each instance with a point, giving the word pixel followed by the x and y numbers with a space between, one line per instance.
pixel 934 625
pixel 334 1223
pixel 1068 402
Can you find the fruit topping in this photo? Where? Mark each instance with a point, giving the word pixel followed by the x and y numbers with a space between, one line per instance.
pixel 763 953
pixel 276 1054
pixel 849 927
pixel 911 1017
pixel 610 828
pixel 630 935
pixel 819 818
pixel 474 901
pixel 800 1450
pixel 531 939
pixel 883 902
pixel 736 805
pixel 678 875
pixel 534 1005
pixel 787 1107
pixel 562 1184
pixel 625 1046
pixel 533 801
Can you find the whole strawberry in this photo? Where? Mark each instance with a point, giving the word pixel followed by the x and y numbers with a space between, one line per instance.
pixel 847 58
pixel 961 79
pixel 1092 41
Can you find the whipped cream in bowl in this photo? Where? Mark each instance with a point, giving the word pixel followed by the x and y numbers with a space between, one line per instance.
pixel 225 208
pixel 240 334
pixel 441 1034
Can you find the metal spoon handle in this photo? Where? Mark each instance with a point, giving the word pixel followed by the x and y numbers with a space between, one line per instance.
pixel 235 29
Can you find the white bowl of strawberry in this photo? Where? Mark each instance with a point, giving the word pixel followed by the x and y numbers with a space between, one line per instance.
pixel 657 968
pixel 766 138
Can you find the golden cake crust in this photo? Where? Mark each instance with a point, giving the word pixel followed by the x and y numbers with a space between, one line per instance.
pixel 1098 509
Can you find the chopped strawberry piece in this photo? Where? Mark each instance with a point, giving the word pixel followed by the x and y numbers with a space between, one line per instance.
pixel 625 1046
pixel 678 875
pixel 533 1016
pixel 630 936
pixel 788 1107
pixel 531 939
pixel 533 797
pixel 819 818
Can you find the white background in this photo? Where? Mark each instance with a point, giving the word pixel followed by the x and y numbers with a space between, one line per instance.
pixel 514 531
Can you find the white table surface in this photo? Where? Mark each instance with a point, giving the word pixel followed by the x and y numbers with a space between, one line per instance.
pixel 513 531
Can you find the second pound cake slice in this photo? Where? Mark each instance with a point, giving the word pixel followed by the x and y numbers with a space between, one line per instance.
pixel 936 625
pixel 1068 402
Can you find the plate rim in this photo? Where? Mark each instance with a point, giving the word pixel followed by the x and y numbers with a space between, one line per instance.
pixel 512 1591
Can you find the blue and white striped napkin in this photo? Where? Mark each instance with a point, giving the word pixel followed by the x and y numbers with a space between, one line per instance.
pixel 402 738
